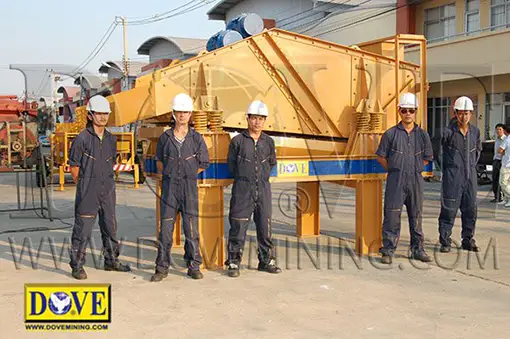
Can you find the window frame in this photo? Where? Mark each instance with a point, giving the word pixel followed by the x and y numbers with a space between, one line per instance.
pixel 506 10
pixel 469 13
pixel 441 20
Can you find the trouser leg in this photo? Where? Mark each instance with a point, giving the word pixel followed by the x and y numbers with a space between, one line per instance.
pixel 393 202
pixel 192 244
pixel 469 210
pixel 496 167
pixel 449 208
pixel 80 238
pixel 167 223
pixel 504 182
pixel 414 206
pixel 237 237
pixel 262 219
pixel 108 228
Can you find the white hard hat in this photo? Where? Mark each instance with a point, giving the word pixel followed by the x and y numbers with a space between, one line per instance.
pixel 182 103
pixel 257 107
pixel 99 103
pixel 408 100
pixel 463 104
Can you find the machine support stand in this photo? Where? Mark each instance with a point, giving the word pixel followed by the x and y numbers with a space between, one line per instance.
pixel 307 209
pixel 211 225
pixel 368 216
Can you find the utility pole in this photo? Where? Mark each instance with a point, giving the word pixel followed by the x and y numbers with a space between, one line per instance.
pixel 126 61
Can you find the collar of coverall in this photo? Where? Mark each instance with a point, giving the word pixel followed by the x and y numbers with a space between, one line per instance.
pixel 401 126
pixel 455 127
pixel 91 131
pixel 246 133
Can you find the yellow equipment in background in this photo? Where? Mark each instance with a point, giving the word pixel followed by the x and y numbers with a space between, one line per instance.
pixel 329 105
pixel 62 139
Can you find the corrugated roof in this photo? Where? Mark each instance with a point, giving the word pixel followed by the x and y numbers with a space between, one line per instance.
pixel 71 91
pixel 135 67
pixel 219 11
pixel 185 45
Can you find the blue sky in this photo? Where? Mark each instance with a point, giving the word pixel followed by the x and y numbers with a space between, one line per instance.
pixel 65 32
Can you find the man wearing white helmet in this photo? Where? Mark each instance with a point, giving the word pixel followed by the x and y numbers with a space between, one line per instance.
pixel 461 150
pixel 91 158
pixel 251 157
pixel 181 154
pixel 403 152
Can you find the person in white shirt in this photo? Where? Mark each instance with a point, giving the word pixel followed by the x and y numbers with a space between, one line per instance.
pixel 504 176
pixel 496 162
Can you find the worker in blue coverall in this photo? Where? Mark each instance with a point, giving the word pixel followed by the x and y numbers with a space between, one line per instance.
pixel 461 150
pixel 404 150
pixel 251 157
pixel 91 158
pixel 181 153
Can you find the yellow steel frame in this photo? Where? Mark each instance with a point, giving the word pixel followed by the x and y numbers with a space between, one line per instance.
pixel 60 145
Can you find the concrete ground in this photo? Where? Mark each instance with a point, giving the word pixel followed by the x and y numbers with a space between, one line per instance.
pixel 333 295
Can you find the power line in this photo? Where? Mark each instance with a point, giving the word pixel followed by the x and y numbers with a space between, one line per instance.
pixel 96 49
pixel 198 5
pixel 339 28
pixel 155 16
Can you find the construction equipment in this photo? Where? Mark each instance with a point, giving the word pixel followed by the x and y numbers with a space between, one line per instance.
pixel 329 106
pixel 20 151
pixel 18 132
pixel 62 139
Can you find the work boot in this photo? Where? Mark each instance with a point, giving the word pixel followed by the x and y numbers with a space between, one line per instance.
pixel 79 274
pixel 386 259
pixel 233 270
pixel 421 256
pixel 445 249
pixel 470 245
pixel 269 267
pixel 195 274
pixel 118 267
pixel 158 276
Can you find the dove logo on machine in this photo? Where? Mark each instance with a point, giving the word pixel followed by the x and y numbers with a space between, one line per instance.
pixel 68 303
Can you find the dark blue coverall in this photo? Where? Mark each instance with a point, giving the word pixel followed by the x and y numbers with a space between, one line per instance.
pixel 180 194
pixel 405 153
pixel 250 163
pixel 459 183
pixel 95 193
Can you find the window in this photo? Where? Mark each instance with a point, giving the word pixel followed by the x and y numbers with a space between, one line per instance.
pixel 472 16
pixel 500 14
pixel 438 115
pixel 440 22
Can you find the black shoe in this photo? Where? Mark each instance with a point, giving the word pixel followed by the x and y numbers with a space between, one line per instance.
pixel 195 274
pixel 386 259
pixel 470 245
pixel 269 267
pixel 118 267
pixel 79 274
pixel 233 270
pixel 445 249
pixel 497 200
pixel 158 276
pixel 421 256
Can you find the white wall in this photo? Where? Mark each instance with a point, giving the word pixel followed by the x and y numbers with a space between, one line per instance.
pixel 114 74
pixel 164 50
pixel 348 28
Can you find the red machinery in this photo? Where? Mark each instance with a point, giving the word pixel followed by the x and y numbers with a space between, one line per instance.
pixel 18 132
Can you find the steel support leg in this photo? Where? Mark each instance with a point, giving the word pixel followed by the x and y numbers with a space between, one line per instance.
pixel 369 195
